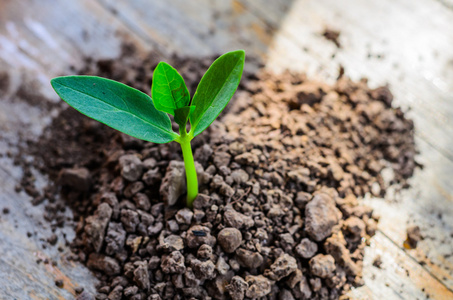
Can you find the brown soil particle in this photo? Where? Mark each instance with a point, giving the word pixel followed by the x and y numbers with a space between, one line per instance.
pixel 413 236
pixel 332 35
pixel 277 216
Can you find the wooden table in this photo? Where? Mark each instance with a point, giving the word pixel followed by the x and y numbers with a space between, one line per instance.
pixel 407 44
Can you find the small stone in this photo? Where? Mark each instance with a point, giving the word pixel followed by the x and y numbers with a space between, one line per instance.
pixel 321 216
pixel 286 241
pixel 355 227
pixel 129 219
pixel 203 269
pixel 174 182
pixel 285 295
pixel 96 225
pixel 131 167
pixel 116 293
pixel 156 228
pixel 282 267
pixel 306 248
pixel 115 238
pixel 173 225
pixel 133 188
pixel 237 220
pixel 130 291
pixel 77 178
pixel 221 266
pixel 414 235
pixel 142 201
pixel 240 176
pixel 258 286
pixel 203 154
pixel 229 239
pixel 322 265
pixel 302 199
pixel 249 259
pixel 103 263
pixel 152 177
pixel 154 262
pixel 173 242
pixel 204 252
pixel 221 159
pixel 190 279
pixel 53 239
pixel 247 158
pixel 141 275
pixel 202 201
pixel 237 288
pixel 184 216
pixel 198 235
pixel 173 263
pixel 59 283
pixel 294 278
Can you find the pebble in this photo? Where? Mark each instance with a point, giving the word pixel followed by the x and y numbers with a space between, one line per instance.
pixel 229 239
pixel 321 215
pixel 194 241
pixel 258 286
pixel 282 267
pixel 77 178
pixel 237 288
pixel 322 265
pixel 95 226
pixel 173 263
pixel 103 263
pixel 306 248
pixel 237 220
pixel 174 183
pixel 131 167
pixel 184 216
pixel 249 259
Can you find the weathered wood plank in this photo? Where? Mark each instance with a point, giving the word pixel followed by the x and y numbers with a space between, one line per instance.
pixel 39 40
pixel 212 27
pixel 398 277
pixel 428 204
pixel 199 29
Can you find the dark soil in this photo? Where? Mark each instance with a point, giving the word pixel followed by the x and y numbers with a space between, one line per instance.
pixel 333 36
pixel 277 216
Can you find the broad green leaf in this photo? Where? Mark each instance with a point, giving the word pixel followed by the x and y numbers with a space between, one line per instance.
pixel 182 115
pixel 216 89
pixel 116 105
pixel 169 91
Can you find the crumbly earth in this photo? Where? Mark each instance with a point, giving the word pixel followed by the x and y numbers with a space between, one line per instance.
pixel 277 216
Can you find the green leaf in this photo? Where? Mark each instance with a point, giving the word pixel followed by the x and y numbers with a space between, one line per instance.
pixel 182 115
pixel 169 91
pixel 216 89
pixel 116 105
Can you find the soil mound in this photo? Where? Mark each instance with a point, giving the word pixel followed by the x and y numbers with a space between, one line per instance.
pixel 277 216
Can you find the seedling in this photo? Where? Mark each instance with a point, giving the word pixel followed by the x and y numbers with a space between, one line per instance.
pixel 137 114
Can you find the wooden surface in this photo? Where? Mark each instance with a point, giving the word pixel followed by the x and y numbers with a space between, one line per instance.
pixel 407 44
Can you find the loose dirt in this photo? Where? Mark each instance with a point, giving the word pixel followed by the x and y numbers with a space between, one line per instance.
pixel 277 216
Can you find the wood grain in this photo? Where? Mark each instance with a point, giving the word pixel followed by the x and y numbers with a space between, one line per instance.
pixel 403 43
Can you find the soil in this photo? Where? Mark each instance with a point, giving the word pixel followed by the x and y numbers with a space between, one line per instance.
pixel 333 36
pixel 277 216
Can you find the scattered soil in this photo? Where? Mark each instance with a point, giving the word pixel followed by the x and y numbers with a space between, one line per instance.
pixel 333 36
pixel 414 236
pixel 277 216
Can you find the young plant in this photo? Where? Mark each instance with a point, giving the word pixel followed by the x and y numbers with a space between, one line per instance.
pixel 137 114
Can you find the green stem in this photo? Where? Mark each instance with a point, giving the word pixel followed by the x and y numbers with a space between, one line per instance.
pixel 191 172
